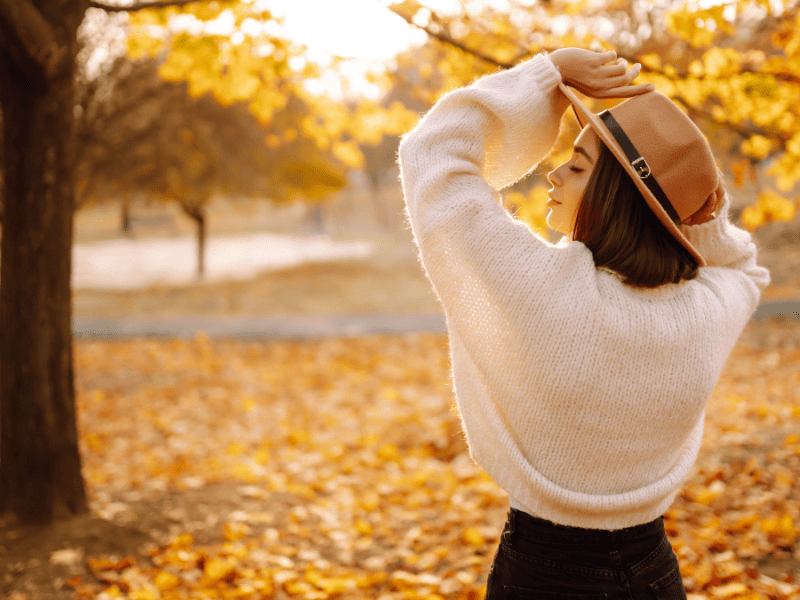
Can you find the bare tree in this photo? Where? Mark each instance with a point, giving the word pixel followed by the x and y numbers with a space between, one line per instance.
pixel 148 136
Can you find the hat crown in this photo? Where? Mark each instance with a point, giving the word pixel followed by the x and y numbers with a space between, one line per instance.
pixel 674 148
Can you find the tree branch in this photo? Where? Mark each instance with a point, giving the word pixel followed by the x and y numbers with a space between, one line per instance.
pixel 455 43
pixel 139 6
pixel 34 35
pixel 745 132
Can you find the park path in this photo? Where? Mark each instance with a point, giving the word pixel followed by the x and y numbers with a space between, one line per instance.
pixel 307 326
pixel 137 263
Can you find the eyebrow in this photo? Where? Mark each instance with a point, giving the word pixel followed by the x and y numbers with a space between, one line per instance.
pixel 580 150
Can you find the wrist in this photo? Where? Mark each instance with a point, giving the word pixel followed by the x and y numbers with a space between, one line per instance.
pixel 561 102
pixel 554 58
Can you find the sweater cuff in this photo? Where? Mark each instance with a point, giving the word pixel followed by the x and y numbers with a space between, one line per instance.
pixel 536 74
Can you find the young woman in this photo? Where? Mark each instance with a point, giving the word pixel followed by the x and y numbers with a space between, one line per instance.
pixel 582 368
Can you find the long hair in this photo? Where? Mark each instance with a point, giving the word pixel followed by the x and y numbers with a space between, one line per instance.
pixel 623 233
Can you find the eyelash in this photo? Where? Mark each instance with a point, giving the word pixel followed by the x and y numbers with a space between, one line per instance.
pixel 576 170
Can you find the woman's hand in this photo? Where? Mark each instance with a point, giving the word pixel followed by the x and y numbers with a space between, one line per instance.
pixel 711 208
pixel 598 74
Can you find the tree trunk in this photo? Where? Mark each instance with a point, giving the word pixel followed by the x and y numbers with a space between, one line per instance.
pixel 201 242
pixel 317 219
pixel 197 213
pixel 126 216
pixel 40 466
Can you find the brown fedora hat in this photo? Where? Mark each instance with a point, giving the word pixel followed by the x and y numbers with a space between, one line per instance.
pixel 662 150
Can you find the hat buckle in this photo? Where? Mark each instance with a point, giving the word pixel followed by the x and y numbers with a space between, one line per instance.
pixel 643 170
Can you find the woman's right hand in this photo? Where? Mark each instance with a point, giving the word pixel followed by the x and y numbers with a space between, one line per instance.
pixel 598 74
pixel 712 206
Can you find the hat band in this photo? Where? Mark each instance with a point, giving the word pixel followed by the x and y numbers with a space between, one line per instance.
pixel 639 164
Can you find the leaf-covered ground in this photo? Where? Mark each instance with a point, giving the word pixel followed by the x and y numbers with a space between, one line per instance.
pixel 337 469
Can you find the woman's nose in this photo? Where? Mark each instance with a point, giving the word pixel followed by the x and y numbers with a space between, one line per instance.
pixel 551 177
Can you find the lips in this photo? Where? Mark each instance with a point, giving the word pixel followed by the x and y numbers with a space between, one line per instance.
pixel 552 201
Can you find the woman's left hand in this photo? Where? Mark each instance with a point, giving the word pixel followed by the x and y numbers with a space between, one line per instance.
pixel 591 74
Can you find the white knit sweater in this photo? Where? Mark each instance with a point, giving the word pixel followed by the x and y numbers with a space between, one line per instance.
pixel 582 397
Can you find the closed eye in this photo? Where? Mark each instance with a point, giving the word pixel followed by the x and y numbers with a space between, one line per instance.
pixel 576 170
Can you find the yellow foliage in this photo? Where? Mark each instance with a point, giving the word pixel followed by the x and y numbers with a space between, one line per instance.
pixel 298 437
pixel 141 45
pixel 782 527
pixel 391 394
pixel 205 11
pixel 266 102
pixel 370 121
pixel 757 146
pixel 220 569
pixel 473 537
pixel 261 456
pixel 652 60
pixel 237 85
pixel 236 531
pixel 721 62
pixel 113 592
pixel 740 169
pixel 734 86
pixel 182 541
pixel 290 134
pixel 349 154
pixel 576 7
pixel 744 522
pixel 145 594
pixel 177 66
pixel 151 17
pixel 388 452
pixel 369 502
pixel 769 207
pixel 93 441
pixel 165 581
pixel 698 27
pixel 363 527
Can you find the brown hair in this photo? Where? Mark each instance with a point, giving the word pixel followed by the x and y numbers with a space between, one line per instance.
pixel 617 225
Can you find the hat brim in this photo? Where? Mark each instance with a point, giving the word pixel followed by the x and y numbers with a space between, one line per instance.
pixel 585 116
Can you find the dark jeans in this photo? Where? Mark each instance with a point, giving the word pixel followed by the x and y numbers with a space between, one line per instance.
pixel 542 560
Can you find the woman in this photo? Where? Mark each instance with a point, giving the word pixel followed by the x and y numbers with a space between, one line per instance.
pixel 582 368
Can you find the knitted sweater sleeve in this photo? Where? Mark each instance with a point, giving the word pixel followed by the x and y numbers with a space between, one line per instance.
pixel 483 264
pixel 725 246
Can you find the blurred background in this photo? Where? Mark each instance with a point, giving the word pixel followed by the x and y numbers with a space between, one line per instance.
pixel 234 162
pixel 239 157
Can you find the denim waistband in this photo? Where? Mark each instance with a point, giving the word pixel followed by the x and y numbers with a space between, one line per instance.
pixel 521 524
